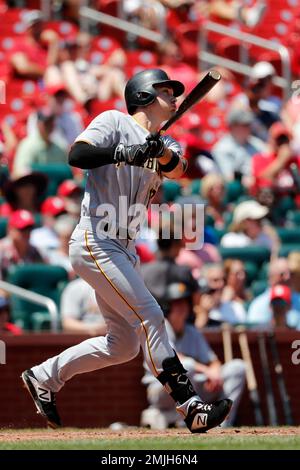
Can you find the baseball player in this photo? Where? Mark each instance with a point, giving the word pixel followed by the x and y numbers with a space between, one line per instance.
pixel 124 161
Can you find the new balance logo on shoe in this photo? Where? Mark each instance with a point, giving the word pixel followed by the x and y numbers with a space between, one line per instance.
pixel 44 394
pixel 201 420
pixel 43 398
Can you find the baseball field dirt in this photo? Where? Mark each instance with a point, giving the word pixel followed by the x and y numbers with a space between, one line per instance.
pixel 264 438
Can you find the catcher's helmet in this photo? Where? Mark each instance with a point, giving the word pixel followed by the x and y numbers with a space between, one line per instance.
pixel 140 89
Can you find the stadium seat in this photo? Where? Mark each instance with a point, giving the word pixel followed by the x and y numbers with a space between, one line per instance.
pixel 56 173
pixel 251 272
pixel 187 36
pixel 263 272
pixel 40 278
pixel 195 187
pixel 258 287
pixel 288 235
pixel 287 248
pixel 294 217
pixel 171 190
pixel 234 190
pixel 3 226
pixel 255 254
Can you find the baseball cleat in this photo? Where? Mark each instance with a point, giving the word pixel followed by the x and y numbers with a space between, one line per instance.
pixel 43 398
pixel 203 416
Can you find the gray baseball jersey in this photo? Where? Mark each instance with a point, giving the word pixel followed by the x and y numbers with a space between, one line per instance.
pixel 106 184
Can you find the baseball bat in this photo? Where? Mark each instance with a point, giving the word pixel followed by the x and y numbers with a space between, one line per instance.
pixel 267 379
pixel 197 93
pixel 250 375
pixel 285 399
pixel 227 344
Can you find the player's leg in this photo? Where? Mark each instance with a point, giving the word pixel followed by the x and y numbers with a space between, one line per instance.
pixel 119 345
pixel 110 270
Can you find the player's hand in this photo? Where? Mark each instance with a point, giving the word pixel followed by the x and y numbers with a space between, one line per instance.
pixel 156 146
pixel 137 155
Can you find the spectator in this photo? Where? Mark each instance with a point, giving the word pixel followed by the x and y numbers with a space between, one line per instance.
pixel 275 168
pixel 38 147
pixel 234 151
pixel 68 123
pixel 294 267
pixel 212 310
pixel 248 228
pixel 258 97
pixel 71 194
pixel 213 191
pixel 210 378
pixel 280 305
pixel 85 80
pixel 24 192
pixel 233 11
pixel 45 238
pixel 171 60
pixel 15 248
pixel 160 273
pixel 262 74
pixel 189 134
pixel 235 280
pixel 6 326
pixel 203 248
pixel 64 226
pixel 79 310
pixel 37 52
pixel 259 312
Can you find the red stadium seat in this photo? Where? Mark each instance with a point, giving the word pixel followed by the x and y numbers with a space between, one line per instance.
pixel 187 36
pixel 64 29
pixel 229 48
pixel 105 44
pixel 143 58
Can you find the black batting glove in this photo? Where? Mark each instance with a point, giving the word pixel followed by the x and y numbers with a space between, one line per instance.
pixel 156 145
pixel 137 155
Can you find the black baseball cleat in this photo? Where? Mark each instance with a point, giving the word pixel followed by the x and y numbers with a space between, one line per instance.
pixel 203 416
pixel 43 398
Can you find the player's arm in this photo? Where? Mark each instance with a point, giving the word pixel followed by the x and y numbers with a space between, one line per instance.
pixel 87 156
pixel 172 165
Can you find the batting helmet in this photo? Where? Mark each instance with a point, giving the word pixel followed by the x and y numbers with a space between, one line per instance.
pixel 140 89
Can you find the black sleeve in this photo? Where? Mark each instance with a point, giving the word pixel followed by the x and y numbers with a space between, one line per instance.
pixel 86 156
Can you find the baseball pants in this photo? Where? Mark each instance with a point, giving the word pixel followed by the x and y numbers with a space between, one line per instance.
pixel 133 316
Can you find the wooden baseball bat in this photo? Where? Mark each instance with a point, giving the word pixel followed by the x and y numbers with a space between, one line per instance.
pixel 250 375
pixel 285 399
pixel 198 92
pixel 267 379
pixel 227 343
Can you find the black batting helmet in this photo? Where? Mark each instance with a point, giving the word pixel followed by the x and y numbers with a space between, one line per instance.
pixel 140 89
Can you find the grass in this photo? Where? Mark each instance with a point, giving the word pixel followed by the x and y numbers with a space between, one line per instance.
pixel 238 441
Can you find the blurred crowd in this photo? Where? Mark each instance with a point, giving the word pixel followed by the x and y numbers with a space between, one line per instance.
pixel 243 148
pixel 241 144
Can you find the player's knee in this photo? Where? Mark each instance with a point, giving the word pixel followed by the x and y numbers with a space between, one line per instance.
pixel 123 349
